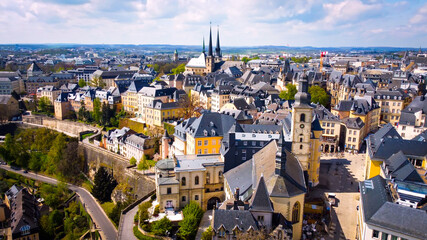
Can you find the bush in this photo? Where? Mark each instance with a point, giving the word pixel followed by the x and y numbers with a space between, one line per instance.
pixel 207 235
pixel 143 212
pixel 132 161
pixel 156 210
pixel 189 225
pixel 161 227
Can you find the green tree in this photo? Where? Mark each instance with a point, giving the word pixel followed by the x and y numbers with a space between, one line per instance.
pixel 143 212
pixel 207 235
pixel 161 227
pixel 319 95
pixel 82 83
pixel 104 184
pixel 289 93
pixel 132 161
pixel 71 164
pixel 143 163
pixel 96 110
pixel 179 69
pixel 56 153
pixel 189 225
pixel 45 105
pixel 97 82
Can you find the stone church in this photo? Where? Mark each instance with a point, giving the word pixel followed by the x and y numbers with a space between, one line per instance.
pixel 205 64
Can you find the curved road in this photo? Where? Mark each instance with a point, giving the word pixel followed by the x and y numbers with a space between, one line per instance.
pixel 108 231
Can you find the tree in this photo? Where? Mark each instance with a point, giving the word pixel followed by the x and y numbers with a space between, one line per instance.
pixel 71 164
pixel 106 114
pixel 189 225
pixel 132 161
pixel 190 105
pixel 319 95
pixel 421 89
pixel 207 235
pixel 143 163
pixel 56 153
pixel 104 184
pixel 96 110
pixel 97 82
pixel 289 93
pixel 82 83
pixel 143 212
pixel 161 227
pixel 45 105
pixel 179 69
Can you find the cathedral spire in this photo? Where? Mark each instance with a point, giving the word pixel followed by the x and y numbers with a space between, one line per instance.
pixel 204 45
pixel 218 47
pixel 210 51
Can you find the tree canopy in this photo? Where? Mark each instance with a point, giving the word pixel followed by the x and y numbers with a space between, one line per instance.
pixel 319 95
pixel 189 225
pixel 82 83
pixel 289 93
pixel 104 184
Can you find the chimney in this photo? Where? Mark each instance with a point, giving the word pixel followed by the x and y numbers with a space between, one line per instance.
pixel 236 194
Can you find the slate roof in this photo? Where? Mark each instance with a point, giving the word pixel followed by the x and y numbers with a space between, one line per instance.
pixel 390 146
pixel 34 67
pixel 158 104
pixel 196 162
pixel 323 114
pixel 240 177
pixel 421 137
pixel 261 199
pixel 400 168
pixel 211 125
pixel 408 114
pixel 379 210
pixel 167 181
pixel 165 164
pixel 354 123
pixel 229 219
pixel 4 99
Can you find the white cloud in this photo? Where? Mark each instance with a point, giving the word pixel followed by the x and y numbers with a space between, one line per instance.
pixel 242 22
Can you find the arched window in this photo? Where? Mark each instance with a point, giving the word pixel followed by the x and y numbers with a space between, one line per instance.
pixel 300 146
pixel 183 181
pixel 296 212
pixel 220 174
pixel 208 178
pixel 302 117
pixel 301 138
pixel 196 180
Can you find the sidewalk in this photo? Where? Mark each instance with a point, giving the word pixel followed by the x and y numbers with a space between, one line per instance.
pixel 204 223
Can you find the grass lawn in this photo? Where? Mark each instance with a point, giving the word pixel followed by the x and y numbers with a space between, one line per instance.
pixel 87 185
pixel 141 236
pixel 87 135
pixel 108 207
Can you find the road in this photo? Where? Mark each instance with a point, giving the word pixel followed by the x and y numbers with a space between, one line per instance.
pixel 108 231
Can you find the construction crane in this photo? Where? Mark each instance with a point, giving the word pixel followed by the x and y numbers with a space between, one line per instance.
pixel 322 55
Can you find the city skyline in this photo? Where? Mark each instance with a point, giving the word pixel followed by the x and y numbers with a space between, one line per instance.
pixel 326 23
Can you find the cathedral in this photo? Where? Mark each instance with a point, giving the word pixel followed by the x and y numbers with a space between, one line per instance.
pixel 205 64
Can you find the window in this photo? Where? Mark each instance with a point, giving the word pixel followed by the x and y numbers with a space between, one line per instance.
pixel 393 237
pixel 220 174
pixel 327 131
pixel 206 142
pixel 332 131
pixel 199 143
pixel 196 180
pixel 349 139
pixel 196 197
pixel 183 198
pixel 253 143
pixel 354 139
pixel 260 218
pixel 300 146
pixel 384 236
pixel 183 182
pixel 221 233
pixel 375 234
pixel 206 151
pixel 323 124
pixel 302 117
pixel 213 150
pixel 332 124
pixel 213 142
pixel 243 151
pixel 296 212
pixel 169 190
pixel 328 125
pixel 199 151
pixel 208 178
pixel 245 143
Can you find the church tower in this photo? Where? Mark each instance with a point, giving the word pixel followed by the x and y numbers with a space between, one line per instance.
pixel 175 56
pixel 218 53
pixel 210 64
pixel 302 115
pixel 165 145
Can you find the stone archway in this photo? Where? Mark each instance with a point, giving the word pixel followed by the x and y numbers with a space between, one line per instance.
pixel 326 148
pixel 332 148
pixel 212 203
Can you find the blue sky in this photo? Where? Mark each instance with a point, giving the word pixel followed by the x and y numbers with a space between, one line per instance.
pixel 319 23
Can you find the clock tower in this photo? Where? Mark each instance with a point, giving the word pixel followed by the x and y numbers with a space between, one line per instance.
pixel 301 135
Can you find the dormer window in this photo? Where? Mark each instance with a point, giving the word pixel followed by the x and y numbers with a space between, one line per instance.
pixel 205 133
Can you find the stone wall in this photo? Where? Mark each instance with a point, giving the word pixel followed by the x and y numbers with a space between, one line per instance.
pixel 97 157
pixel 68 127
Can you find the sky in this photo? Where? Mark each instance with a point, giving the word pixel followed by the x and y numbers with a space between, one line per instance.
pixel 317 23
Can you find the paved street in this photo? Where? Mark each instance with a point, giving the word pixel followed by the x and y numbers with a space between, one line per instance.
pixel 108 231
pixel 341 176
pixel 204 223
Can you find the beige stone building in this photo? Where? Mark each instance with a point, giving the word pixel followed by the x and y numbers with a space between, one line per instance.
pixel 391 102
pixel 188 178
pixel 9 107
pixel 220 96
pixel 50 92
pixel 354 134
